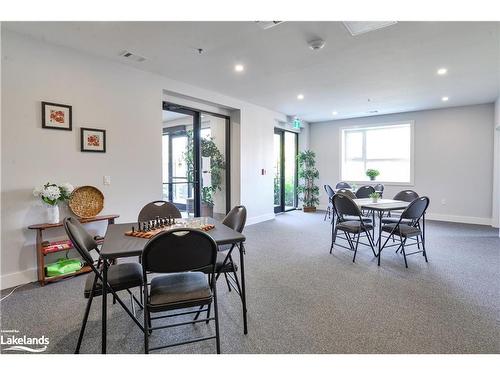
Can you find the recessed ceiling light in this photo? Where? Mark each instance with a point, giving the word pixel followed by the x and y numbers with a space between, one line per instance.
pixel 335 113
pixel 300 96
pixel 239 68
pixel 442 71
pixel 445 98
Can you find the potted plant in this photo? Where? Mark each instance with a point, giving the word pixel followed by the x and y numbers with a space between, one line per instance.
pixel 308 191
pixel 217 165
pixel 375 197
pixel 51 194
pixel 372 173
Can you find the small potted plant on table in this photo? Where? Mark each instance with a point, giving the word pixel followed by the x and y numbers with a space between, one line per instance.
pixel 372 173
pixel 374 197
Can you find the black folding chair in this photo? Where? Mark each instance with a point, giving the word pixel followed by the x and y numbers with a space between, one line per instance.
pixel 330 193
pixel 405 196
pixel 158 209
pixel 412 215
pixel 379 188
pixel 235 219
pixel 122 276
pixel 365 191
pixel 344 206
pixel 180 255
pixel 343 185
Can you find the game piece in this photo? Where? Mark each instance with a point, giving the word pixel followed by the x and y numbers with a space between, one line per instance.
pixel 133 229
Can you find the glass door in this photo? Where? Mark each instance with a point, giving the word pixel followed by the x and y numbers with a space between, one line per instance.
pixel 180 166
pixel 196 169
pixel 285 170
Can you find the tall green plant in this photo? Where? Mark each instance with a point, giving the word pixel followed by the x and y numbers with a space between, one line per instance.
pixel 217 166
pixel 308 191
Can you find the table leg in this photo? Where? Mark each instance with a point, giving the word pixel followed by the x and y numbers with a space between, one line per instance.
pixel 373 223
pixel 380 215
pixel 104 305
pixel 243 290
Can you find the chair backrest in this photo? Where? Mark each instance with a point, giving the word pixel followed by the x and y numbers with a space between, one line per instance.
pixel 416 209
pixel 179 250
pixel 365 191
pixel 344 205
pixel 236 218
pixel 81 239
pixel 379 187
pixel 329 191
pixel 343 185
pixel 347 192
pixel 406 196
pixel 158 208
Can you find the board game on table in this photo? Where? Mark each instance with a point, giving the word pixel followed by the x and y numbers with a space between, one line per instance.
pixel 150 228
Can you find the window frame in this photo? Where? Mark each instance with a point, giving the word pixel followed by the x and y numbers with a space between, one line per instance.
pixel 379 125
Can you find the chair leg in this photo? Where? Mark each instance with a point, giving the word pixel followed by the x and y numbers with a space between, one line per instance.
pixel 404 253
pixel 147 323
pixel 216 315
pixel 84 323
pixel 334 236
pixel 132 303
pixel 356 249
pixel 326 213
pixel 227 282
pixel 370 241
pixel 424 251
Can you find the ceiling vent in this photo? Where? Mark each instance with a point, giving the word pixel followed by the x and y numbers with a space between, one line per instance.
pixel 267 24
pixel 132 56
pixel 361 27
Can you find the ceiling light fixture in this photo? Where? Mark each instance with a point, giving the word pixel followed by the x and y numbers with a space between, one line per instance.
pixel 316 44
pixel 239 68
pixel 300 96
pixel 335 113
pixel 442 71
pixel 445 98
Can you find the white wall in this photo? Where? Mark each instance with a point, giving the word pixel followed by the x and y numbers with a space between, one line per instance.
pixel 496 167
pixel 127 103
pixel 453 159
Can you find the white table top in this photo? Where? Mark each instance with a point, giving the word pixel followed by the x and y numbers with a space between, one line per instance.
pixel 382 204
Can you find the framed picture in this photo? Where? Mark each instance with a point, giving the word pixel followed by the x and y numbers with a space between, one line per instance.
pixel 56 116
pixel 93 140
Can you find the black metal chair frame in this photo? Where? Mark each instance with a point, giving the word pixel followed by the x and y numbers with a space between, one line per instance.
pixel 94 291
pixel 329 207
pixel 147 314
pixel 365 231
pixel 419 223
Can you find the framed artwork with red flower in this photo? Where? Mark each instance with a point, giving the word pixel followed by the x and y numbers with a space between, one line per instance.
pixel 93 140
pixel 56 116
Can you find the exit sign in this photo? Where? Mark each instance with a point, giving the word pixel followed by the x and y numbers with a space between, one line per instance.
pixel 297 123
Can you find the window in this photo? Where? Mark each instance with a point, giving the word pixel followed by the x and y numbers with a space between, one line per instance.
pixel 386 148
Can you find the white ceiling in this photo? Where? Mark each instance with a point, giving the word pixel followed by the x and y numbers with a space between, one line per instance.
pixel 389 70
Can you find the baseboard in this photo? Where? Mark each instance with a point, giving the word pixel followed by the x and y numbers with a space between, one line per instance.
pixel 459 219
pixel 450 218
pixel 18 278
pixel 260 219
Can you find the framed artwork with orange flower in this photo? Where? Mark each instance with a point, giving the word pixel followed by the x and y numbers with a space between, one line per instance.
pixel 56 116
pixel 93 140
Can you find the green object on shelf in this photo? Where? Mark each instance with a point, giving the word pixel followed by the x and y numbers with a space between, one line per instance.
pixel 63 267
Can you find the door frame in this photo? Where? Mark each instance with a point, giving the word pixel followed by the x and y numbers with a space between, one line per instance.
pixel 281 208
pixel 196 113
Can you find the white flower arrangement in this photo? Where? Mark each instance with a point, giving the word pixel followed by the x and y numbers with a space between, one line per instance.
pixel 52 194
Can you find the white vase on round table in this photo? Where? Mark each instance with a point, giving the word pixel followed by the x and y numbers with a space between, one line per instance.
pixel 52 214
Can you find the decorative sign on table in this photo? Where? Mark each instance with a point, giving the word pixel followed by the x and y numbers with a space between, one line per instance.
pixel 56 116
pixel 150 228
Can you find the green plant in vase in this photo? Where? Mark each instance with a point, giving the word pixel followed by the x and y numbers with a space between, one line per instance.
pixel 308 191
pixel 372 174
pixel 374 197
pixel 217 166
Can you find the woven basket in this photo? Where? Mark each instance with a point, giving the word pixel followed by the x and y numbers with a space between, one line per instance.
pixel 86 202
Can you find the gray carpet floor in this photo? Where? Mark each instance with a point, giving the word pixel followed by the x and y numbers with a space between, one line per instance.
pixel 301 299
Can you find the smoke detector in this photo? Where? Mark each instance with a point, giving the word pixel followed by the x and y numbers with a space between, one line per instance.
pixel 267 24
pixel 316 44
pixel 132 56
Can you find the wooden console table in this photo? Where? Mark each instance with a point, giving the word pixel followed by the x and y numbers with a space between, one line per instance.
pixel 40 253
